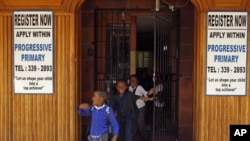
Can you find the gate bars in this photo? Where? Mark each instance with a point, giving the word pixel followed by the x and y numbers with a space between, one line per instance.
pixel 112 53
pixel 166 74
pixel 112 48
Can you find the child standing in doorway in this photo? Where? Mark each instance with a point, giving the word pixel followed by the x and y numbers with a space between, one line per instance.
pixel 124 104
pixel 102 118
pixel 140 115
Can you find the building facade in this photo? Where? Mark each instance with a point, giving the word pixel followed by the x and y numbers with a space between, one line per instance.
pixel 53 117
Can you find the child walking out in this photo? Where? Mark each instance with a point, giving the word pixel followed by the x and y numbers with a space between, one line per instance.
pixel 140 115
pixel 124 104
pixel 102 118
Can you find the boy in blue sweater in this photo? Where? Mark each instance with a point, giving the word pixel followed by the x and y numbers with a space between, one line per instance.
pixel 102 118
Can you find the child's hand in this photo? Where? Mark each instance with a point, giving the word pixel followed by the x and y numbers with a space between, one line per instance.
pixel 150 98
pixel 114 138
pixel 84 106
pixel 151 91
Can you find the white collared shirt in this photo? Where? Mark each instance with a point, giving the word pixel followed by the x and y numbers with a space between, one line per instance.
pixel 98 108
pixel 140 91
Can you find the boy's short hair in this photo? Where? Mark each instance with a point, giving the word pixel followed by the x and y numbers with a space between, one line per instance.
pixel 102 94
pixel 121 81
pixel 133 75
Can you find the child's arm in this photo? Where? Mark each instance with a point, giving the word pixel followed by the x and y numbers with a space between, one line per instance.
pixel 114 125
pixel 135 97
pixel 151 91
pixel 146 98
pixel 142 91
pixel 149 98
pixel 114 138
pixel 84 109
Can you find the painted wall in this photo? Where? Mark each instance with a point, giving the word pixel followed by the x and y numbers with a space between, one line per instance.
pixel 41 117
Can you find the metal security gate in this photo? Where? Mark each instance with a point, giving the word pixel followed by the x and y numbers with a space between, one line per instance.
pixel 112 48
pixel 166 74
pixel 112 53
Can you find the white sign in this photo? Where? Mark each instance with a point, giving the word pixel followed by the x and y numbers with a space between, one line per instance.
pixel 33 52
pixel 226 68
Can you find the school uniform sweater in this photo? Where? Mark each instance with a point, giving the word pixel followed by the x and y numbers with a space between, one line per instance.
pixel 100 121
pixel 124 105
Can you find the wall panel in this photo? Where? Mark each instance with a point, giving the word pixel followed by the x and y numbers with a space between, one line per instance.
pixel 39 117
pixel 214 114
pixel 5 78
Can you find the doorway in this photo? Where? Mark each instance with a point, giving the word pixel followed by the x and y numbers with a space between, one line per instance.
pixel 158 54
pixel 156 61
pixel 114 31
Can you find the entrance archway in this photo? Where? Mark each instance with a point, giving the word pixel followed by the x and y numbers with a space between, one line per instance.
pixel 88 77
